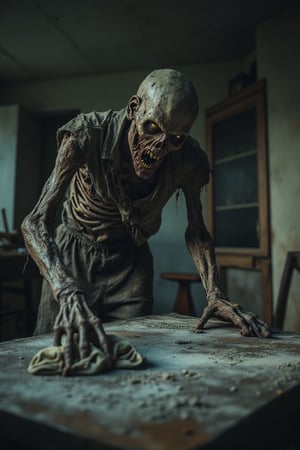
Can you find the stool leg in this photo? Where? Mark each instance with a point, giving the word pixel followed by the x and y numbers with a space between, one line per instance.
pixel 184 302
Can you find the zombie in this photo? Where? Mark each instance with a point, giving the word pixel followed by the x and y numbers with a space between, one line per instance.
pixel 113 174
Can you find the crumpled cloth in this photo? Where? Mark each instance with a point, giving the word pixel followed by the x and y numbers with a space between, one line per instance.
pixel 50 360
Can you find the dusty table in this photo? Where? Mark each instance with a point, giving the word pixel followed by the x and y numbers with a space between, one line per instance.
pixel 215 390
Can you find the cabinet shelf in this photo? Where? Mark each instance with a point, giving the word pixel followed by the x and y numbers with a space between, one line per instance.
pixel 239 206
pixel 234 157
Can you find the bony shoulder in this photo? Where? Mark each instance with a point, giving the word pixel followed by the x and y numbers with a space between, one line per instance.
pixel 84 126
pixel 93 119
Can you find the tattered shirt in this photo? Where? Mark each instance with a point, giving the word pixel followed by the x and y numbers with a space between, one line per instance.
pixel 99 136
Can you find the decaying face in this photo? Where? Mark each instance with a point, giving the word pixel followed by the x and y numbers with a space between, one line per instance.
pixel 161 114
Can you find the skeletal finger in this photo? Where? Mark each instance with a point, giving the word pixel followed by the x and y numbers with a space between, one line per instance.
pixel 101 336
pixel 206 315
pixel 66 314
pixel 259 328
pixel 84 346
pixel 256 329
pixel 58 317
pixel 96 325
pixel 256 325
pixel 88 312
pixel 58 333
pixel 98 329
pixel 266 332
pixel 68 350
pixel 265 329
pixel 238 319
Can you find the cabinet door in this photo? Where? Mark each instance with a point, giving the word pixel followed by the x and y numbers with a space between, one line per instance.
pixel 238 191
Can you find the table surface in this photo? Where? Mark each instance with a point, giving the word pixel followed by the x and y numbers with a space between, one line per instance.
pixel 212 390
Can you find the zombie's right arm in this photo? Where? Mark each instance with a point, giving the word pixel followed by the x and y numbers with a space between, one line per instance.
pixel 37 228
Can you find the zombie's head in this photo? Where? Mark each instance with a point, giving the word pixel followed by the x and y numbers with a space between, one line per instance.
pixel 161 114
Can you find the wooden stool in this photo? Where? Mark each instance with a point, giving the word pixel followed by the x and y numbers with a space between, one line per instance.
pixel 183 302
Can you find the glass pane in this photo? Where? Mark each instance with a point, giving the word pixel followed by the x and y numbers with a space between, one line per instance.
pixel 235 135
pixel 235 182
pixel 245 287
pixel 236 228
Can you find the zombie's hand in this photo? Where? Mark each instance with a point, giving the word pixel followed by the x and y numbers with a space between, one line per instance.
pixel 249 323
pixel 74 316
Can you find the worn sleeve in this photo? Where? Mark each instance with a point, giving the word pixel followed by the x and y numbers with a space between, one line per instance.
pixel 89 131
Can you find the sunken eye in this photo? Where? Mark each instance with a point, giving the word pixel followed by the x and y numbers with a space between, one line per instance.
pixel 151 127
pixel 177 139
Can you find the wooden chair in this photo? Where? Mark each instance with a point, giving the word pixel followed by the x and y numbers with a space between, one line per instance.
pixel 292 262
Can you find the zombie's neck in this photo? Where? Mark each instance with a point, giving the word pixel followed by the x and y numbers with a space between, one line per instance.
pixel 134 186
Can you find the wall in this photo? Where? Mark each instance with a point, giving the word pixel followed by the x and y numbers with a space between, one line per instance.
pixel 8 160
pixel 278 58
pixel 113 91
pixel 19 164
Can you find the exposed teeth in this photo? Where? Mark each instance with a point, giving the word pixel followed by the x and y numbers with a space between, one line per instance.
pixel 145 166
pixel 149 160
pixel 152 155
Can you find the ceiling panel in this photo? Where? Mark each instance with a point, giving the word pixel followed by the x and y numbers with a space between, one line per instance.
pixel 107 28
pixel 12 70
pixel 42 39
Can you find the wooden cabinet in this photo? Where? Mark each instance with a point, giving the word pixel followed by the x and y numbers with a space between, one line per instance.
pixel 238 203
pixel 238 193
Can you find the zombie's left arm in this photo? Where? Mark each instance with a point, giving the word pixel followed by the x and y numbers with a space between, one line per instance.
pixel 200 245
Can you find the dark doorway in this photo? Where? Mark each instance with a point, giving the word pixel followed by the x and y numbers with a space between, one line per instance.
pixel 48 124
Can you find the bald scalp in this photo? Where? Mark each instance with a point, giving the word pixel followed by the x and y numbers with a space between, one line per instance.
pixel 171 96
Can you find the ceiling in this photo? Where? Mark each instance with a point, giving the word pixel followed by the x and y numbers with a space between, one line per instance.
pixel 46 39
